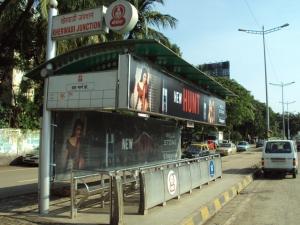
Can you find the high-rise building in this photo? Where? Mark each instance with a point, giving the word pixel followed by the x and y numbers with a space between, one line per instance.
pixel 220 69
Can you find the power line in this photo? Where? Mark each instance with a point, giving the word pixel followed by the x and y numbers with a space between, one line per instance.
pixel 251 13
pixel 271 63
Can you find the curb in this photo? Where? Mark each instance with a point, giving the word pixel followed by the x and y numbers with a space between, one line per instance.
pixel 211 208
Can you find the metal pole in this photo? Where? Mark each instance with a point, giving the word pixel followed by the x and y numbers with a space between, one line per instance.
pixel 263 32
pixel 288 120
pixel 266 84
pixel 44 168
pixel 283 122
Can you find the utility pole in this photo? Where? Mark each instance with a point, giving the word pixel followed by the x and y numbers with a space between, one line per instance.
pixel 263 32
pixel 282 85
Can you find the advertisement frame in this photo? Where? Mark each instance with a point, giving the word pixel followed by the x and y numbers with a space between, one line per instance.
pixel 131 58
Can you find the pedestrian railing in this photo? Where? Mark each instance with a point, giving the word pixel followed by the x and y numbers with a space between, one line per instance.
pixel 157 183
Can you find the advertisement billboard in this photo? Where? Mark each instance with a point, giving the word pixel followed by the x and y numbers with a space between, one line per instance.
pixel 98 140
pixel 152 91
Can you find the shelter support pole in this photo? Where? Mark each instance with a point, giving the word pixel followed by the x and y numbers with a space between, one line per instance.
pixel 44 164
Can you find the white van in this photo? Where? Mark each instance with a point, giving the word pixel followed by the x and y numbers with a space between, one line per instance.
pixel 280 155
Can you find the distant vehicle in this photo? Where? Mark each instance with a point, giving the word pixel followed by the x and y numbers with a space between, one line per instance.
pixel 243 146
pixel 32 158
pixel 280 155
pixel 211 144
pixel 226 148
pixel 195 150
pixel 259 143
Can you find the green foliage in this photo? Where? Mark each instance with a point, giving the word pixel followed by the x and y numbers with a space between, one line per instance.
pixel 29 115
pixel 235 136
pixel 294 121
pixel 23 27
pixel 4 117
pixel 245 115
pixel 240 108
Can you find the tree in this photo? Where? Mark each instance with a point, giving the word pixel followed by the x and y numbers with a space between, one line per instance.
pixel 240 108
pixel 23 42
pixel 294 120
pixel 149 19
pixel 20 38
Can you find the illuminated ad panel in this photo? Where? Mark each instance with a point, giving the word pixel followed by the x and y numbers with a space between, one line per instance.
pixel 152 91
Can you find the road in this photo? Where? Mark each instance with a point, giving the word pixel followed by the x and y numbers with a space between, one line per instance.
pixel 15 180
pixel 18 180
pixel 272 201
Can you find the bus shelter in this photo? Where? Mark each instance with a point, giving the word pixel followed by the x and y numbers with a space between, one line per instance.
pixel 122 104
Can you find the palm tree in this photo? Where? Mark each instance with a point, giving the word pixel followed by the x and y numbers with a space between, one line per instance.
pixel 148 19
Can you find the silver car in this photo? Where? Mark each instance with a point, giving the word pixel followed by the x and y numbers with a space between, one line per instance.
pixel 243 146
pixel 226 148
pixel 32 158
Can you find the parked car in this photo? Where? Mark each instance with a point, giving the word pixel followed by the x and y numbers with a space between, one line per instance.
pixel 259 143
pixel 280 156
pixel 226 148
pixel 32 158
pixel 195 150
pixel 243 146
pixel 212 145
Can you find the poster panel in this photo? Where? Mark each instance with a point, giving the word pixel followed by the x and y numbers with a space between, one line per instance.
pixel 97 140
pixel 155 92
pixel 82 90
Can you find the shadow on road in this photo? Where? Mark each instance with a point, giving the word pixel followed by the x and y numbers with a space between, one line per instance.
pixel 244 171
pixel 7 192
pixel 272 176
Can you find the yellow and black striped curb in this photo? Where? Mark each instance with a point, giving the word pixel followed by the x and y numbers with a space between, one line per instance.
pixel 207 211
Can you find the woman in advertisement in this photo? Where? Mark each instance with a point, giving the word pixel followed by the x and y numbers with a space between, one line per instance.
pixel 142 88
pixel 73 150
pixel 211 111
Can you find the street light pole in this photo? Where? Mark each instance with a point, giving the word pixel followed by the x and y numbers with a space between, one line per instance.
pixel 282 85
pixel 263 32
pixel 288 117
pixel 266 84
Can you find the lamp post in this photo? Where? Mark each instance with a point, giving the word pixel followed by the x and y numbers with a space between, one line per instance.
pixel 282 85
pixel 288 117
pixel 263 32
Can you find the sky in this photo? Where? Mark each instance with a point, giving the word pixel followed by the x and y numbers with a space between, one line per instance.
pixel 207 32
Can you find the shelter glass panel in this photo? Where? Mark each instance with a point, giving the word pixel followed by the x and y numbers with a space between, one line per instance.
pixel 97 140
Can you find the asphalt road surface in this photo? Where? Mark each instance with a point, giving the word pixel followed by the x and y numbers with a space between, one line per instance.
pixel 271 201
pixel 17 180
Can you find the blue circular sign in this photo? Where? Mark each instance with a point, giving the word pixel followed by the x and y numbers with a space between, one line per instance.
pixel 211 168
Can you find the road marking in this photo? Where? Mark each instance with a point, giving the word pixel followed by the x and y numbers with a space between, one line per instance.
pixel 217 204
pixel 23 181
pixel 4 171
pixel 205 213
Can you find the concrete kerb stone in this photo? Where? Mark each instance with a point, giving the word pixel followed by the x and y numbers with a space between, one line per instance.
pixel 206 211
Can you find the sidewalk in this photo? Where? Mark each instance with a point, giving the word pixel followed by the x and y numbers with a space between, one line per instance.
pixel 192 208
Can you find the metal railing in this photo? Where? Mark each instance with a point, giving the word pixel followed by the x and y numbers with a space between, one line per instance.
pixel 157 183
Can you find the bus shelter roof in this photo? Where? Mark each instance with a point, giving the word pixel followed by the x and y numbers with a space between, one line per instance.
pixel 104 56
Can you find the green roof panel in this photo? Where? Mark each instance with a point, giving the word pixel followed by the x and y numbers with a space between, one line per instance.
pixel 105 56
